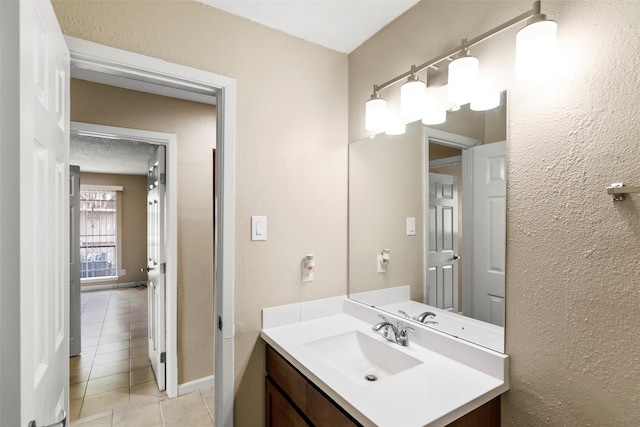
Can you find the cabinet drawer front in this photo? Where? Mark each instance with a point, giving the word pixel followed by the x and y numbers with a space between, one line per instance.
pixel 279 411
pixel 322 412
pixel 292 383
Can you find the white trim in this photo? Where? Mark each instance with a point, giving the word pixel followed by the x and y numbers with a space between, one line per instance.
pixel 139 67
pixel 195 385
pixel 463 143
pixel 445 161
pixel 91 288
pixel 91 187
pixel 170 141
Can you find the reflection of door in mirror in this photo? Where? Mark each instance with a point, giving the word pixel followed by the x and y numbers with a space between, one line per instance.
pixel 443 242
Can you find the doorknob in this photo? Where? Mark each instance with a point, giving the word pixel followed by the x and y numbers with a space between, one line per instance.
pixel 61 423
pixel 456 256
pixel 146 269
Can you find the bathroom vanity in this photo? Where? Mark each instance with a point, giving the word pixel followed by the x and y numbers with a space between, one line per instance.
pixel 327 367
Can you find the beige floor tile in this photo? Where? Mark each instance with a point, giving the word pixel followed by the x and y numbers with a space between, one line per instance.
pixel 100 421
pixel 79 362
pixel 182 406
pixel 146 392
pixel 74 409
pixel 207 395
pixel 104 402
pixel 89 342
pixel 140 376
pixel 111 357
pixel 118 336
pixel 140 363
pixel 117 316
pixel 186 410
pixel 115 328
pixel 113 346
pixel 88 351
pixel 90 332
pixel 140 351
pixel 139 325
pixel 137 342
pixel 107 369
pixel 139 333
pixel 79 375
pixel 76 391
pixel 105 384
pixel 145 416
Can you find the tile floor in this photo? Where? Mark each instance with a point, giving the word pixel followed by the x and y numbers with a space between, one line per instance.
pixel 111 382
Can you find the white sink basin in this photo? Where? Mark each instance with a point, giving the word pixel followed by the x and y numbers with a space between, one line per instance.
pixel 358 356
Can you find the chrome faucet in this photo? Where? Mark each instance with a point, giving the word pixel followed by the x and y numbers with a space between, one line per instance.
pixel 422 318
pixel 393 332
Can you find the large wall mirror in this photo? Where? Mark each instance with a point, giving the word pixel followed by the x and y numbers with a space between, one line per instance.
pixel 427 224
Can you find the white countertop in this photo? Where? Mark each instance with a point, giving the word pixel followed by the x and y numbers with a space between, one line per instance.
pixel 434 393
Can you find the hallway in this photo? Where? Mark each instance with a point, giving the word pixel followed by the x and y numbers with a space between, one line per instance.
pixel 113 370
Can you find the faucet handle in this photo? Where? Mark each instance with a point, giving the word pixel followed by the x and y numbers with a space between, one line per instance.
pixel 383 318
pixel 404 313
pixel 404 332
pixel 403 336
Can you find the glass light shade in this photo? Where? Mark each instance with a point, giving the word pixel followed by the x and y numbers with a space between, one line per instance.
pixel 375 119
pixel 436 105
pixel 536 50
pixel 484 101
pixel 434 117
pixel 412 100
pixel 395 125
pixel 463 78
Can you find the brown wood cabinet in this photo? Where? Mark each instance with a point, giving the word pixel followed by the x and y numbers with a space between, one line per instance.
pixel 293 400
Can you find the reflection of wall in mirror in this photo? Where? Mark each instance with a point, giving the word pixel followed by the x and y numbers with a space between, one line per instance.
pixel 385 187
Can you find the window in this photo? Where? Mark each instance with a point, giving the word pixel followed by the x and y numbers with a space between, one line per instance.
pixel 98 232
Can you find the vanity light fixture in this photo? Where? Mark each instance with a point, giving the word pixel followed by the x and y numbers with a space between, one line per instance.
pixel 412 97
pixel 376 113
pixel 463 77
pixel 536 47
pixel 535 54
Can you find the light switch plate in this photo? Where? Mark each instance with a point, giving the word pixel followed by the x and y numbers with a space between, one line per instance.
pixel 411 226
pixel 258 228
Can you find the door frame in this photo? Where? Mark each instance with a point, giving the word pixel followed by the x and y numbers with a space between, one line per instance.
pixel 157 76
pixel 463 143
pixel 169 140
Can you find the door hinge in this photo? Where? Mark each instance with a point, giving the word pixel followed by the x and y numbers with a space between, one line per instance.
pixel 163 178
pixel 163 267
pixel 219 322
pixel 163 357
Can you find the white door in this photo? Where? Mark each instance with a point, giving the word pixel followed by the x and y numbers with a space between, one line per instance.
pixel 443 241
pixel 74 261
pixel 156 263
pixel 44 215
pixel 489 229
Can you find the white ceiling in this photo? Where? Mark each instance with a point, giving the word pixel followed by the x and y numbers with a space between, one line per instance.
pixel 115 156
pixel 341 25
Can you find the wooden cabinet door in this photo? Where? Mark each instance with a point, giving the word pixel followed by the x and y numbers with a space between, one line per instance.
pixel 279 412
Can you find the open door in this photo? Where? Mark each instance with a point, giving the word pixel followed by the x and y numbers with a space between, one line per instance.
pixel 443 241
pixel 489 231
pixel 35 66
pixel 156 264
pixel 75 322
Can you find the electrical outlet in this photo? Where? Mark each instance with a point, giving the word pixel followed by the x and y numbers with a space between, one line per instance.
pixel 123 272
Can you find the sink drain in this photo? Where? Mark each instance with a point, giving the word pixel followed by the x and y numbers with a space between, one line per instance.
pixel 370 377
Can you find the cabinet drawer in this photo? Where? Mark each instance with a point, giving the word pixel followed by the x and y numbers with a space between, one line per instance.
pixel 279 411
pixel 323 412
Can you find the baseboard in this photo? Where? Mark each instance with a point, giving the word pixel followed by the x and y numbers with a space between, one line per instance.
pixel 195 385
pixel 89 288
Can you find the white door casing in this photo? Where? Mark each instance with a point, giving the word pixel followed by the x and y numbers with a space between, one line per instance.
pixel 75 323
pixel 443 241
pixel 489 232
pixel 44 216
pixel 156 264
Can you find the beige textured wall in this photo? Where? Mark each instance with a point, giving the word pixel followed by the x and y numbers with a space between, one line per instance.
pixel 291 152
pixel 194 125
pixel 133 231
pixel 385 187
pixel 573 256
